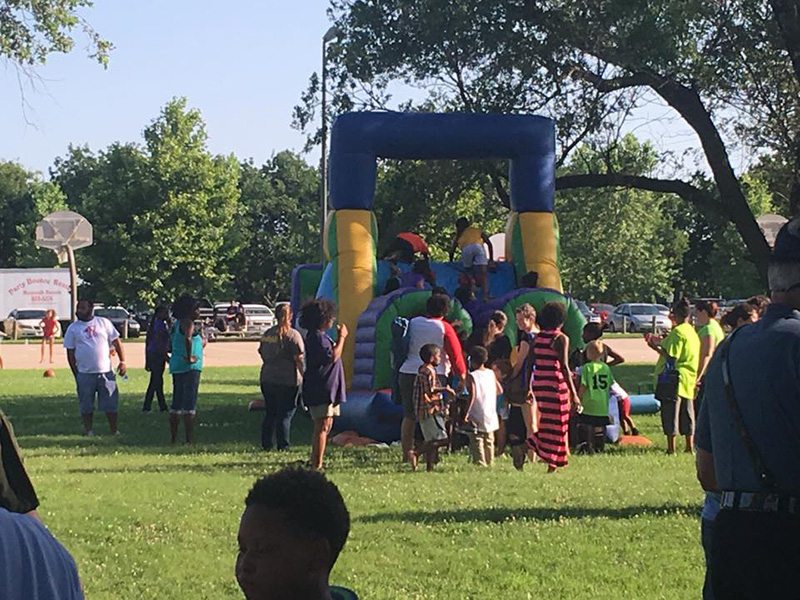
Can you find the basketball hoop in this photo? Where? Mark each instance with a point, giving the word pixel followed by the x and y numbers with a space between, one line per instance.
pixel 63 232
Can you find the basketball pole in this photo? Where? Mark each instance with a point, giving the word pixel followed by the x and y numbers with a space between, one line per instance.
pixel 73 281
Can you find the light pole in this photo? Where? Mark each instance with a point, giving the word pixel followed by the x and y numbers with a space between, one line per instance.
pixel 330 35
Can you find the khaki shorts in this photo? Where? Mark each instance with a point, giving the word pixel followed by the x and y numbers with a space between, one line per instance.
pixel 324 411
pixel 678 417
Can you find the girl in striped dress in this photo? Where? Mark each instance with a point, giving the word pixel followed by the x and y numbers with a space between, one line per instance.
pixel 552 388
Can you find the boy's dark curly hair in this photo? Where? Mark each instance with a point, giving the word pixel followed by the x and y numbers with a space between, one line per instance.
pixel 316 314
pixel 308 501
pixel 552 315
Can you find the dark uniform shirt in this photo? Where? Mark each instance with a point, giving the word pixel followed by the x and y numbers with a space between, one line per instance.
pixel 765 371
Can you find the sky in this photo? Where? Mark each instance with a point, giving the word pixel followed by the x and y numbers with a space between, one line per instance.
pixel 244 64
pixel 244 67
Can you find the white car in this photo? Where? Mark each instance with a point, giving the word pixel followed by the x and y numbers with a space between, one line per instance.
pixel 28 322
pixel 257 317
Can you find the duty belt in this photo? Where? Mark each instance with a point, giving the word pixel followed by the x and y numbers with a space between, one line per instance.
pixel 763 502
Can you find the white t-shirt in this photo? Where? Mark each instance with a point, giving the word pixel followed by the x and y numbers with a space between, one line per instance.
pixel 422 331
pixel 483 412
pixel 91 341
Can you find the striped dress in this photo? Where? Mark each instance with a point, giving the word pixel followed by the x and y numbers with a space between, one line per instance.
pixel 551 442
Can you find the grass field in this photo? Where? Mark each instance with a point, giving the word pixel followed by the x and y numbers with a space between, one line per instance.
pixel 146 520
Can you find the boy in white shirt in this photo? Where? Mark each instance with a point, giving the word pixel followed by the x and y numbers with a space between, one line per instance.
pixel 483 389
pixel 88 342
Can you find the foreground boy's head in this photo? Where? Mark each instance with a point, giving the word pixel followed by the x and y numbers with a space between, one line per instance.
pixel 478 357
pixel 592 332
pixel 293 528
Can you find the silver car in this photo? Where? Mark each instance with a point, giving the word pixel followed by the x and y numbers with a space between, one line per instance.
pixel 638 318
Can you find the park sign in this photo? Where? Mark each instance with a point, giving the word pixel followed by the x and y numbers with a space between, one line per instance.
pixel 63 232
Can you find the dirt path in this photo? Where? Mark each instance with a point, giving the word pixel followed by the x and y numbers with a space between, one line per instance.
pixel 218 354
pixel 633 349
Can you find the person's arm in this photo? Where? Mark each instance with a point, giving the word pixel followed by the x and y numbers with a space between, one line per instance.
pixel 562 346
pixel 300 351
pixel 122 368
pixel 498 385
pixel 339 347
pixel 707 346
pixel 73 363
pixel 454 351
pixel 453 248
pixel 488 242
pixel 616 358
pixel 706 474
pixel 470 396
pixel 187 339
pixel 524 349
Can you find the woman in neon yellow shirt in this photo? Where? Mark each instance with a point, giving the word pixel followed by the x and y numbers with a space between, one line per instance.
pixel 683 346
pixel 710 332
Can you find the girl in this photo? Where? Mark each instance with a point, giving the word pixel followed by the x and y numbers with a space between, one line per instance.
pixel 521 414
pixel 710 332
pixel 553 388
pixel 185 364
pixel 323 384
pixel 49 329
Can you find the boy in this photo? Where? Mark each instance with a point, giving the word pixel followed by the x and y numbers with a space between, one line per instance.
pixel 293 529
pixel 470 241
pixel 429 407
pixel 483 389
pixel 595 387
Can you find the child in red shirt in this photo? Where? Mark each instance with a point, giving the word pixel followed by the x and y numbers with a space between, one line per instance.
pixel 49 328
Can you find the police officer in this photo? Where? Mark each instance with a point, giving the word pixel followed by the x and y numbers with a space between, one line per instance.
pixel 748 442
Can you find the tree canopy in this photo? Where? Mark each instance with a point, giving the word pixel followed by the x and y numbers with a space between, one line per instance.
pixel 728 69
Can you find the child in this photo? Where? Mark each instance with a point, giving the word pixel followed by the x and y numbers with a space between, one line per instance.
pixel 429 407
pixel 49 327
pixel 502 370
pixel 624 407
pixel 593 332
pixel 470 241
pixel 594 391
pixel 483 389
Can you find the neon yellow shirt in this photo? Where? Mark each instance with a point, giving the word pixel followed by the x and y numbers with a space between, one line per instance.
pixel 682 344
pixel 597 378
pixel 713 330
pixel 471 235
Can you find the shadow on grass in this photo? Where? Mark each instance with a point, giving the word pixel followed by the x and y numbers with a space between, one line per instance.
pixel 502 515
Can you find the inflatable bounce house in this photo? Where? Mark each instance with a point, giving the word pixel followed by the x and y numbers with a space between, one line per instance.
pixel 353 277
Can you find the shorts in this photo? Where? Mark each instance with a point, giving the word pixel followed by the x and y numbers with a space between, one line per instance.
pixel 473 255
pixel 185 387
pixel 502 408
pixel 592 420
pixel 102 385
pixel 433 428
pixel 515 428
pixel 324 411
pixel 624 405
pixel 677 417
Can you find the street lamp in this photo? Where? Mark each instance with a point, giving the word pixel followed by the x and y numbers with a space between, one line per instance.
pixel 330 35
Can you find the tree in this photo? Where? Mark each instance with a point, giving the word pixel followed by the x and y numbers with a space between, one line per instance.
pixel 618 245
pixel 31 30
pixel 723 67
pixel 162 213
pixel 46 198
pixel 278 226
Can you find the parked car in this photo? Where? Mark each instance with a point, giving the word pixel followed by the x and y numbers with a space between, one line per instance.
pixel 639 318
pixel 587 312
pixel 118 317
pixel 663 309
pixel 602 310
pixel 27 322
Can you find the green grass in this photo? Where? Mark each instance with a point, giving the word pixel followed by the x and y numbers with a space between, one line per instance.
pixel 145 520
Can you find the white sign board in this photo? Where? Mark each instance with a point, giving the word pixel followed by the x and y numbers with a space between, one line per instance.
pixel 35 288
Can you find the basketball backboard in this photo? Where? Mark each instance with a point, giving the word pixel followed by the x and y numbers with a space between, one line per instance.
pixel 64 229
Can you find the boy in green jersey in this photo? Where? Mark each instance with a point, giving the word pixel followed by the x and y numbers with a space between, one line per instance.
pixel 594 390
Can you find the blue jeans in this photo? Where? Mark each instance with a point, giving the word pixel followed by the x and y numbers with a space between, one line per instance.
pixel 185 387
pixel 280 404
pixel 102 386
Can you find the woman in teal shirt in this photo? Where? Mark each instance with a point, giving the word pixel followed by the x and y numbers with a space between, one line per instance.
pixel 683 346
pixel 185 365
pixel 710 332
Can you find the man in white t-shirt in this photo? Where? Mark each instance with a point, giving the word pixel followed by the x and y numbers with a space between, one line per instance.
pixel 88 342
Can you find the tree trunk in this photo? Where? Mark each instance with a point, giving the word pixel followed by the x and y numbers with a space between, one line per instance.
pixel 690 106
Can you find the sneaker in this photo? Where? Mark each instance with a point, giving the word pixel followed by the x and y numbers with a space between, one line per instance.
pixel 635 431
pixel 117 433
pixel 89 433
pixel 146 411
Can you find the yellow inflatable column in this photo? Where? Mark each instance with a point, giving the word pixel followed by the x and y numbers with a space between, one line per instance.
pixel 356 272
pixel 531 240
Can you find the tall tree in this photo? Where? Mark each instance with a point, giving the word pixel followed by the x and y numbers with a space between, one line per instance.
pixel 15 201
pixel 277 226
pixel 162 213
pixel 721 66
